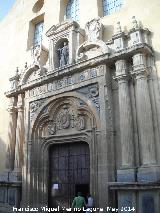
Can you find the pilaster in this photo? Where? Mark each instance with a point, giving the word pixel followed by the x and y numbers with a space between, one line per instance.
pixel 147 171
pixel 19 134
pixel 126 173
pixel 11 134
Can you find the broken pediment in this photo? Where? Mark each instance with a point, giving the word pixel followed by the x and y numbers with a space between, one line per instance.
pixel 32 73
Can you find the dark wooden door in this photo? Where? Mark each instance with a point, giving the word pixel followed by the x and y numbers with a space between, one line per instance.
pixel 69 172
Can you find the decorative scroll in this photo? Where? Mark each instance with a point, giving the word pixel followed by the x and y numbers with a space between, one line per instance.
pixel 92 93
pixel 34 106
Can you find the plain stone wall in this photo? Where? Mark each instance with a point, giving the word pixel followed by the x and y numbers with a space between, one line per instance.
pixel 15 39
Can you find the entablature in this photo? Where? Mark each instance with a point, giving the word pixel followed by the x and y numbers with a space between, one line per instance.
pixel 78 55
pixel 81 66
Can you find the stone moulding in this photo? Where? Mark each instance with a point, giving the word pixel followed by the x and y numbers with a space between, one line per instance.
pixel 56 29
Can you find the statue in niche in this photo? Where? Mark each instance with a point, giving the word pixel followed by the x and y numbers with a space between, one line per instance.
pixel 63 54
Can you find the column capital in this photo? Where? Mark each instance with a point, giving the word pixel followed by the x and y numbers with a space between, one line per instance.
pixel 121 66
pixel 12 107
pixel 140 69
pixel 121 71
pixel 122 78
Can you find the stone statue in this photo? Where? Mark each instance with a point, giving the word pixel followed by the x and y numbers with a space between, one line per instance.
pixel 63 54
pixel 36 54
pixel 93 29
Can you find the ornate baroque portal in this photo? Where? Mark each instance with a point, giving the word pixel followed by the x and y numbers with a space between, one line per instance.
pixel 95 98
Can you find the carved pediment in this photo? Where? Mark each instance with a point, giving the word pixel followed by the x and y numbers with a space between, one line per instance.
pixel 37 68
pixel 59 28
pixel 32 73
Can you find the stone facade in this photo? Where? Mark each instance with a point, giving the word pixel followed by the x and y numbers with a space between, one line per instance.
pixel 105 95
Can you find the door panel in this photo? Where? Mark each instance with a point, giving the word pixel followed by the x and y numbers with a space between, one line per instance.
pixel 69 172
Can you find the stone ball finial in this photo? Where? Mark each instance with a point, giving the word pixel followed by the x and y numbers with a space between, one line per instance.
pixel 119 29
pixel 134 22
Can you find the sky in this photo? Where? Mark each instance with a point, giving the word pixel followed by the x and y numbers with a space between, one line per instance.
pixel 5 6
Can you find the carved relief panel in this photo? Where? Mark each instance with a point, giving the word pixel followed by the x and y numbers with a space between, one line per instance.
pixel 66 117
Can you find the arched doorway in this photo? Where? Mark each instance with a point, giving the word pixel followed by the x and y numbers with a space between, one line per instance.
pixel 69 172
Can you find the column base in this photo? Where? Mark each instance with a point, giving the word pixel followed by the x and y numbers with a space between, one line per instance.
pixel 126 175
pixel 15 176
pixel 148 173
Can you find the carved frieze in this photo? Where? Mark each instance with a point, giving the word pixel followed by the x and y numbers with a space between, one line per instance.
pixel 67 81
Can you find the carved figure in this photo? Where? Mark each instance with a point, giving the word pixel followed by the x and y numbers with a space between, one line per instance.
pixel 36 54
pixel 93 29
pixel 81 122
pixel 51 128
pixel 94 46
pixel 63 54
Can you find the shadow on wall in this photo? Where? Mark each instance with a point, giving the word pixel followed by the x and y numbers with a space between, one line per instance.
pixel 2 155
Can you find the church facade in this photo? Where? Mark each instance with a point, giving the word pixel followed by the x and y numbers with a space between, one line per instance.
pixel 84 112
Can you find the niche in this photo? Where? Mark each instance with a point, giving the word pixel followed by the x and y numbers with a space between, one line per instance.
pixel 62 53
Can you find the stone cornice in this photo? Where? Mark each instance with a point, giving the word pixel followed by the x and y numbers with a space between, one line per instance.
pixel 56 29
pixel 82 65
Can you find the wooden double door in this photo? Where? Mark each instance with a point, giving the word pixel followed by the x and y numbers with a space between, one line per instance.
pixel 69 172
